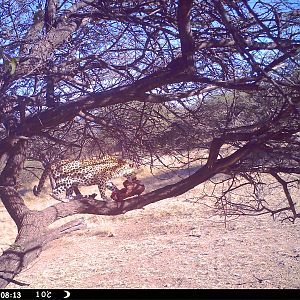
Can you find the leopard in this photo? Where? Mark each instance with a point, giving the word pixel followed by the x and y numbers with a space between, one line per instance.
pixel 69 174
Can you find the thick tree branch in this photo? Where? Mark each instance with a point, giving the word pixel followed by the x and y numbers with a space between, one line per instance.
pixel 185 33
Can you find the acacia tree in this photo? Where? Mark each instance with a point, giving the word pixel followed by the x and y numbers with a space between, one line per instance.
pixel 150 77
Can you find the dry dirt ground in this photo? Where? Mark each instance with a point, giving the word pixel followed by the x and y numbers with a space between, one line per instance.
pixel 169 244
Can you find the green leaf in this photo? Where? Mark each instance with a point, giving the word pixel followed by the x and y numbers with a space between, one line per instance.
pixel 13 65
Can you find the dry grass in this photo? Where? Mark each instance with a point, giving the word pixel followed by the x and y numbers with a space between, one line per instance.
pixel 175 243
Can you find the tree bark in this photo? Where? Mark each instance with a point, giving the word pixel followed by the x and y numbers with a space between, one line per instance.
pixel 33 234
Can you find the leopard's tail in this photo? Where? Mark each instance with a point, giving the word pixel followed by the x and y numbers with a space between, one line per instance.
pixel 37 189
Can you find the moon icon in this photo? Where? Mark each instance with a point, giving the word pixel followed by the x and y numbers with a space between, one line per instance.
pixel 68 294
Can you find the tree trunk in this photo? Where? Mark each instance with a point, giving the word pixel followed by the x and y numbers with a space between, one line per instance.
pixel 33 235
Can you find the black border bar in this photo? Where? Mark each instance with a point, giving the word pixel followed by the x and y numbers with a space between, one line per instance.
pixel 139 294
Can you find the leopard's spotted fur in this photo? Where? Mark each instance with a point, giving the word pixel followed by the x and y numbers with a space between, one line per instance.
pixel 69 174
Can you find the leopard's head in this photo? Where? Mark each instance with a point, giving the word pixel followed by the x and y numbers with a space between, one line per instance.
pixel 128 169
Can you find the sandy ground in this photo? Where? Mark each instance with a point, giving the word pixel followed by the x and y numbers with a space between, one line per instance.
pixel 169 245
